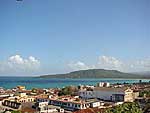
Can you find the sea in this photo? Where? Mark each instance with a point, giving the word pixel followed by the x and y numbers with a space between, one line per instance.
pixel 33 82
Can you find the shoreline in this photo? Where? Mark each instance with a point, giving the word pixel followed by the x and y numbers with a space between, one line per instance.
pixel 75 78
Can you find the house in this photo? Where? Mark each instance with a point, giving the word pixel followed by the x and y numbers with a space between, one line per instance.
pixel 68 105
pixel 22 98
pixel 21 94
pixel 94 103
pixel 73 103
pixel 87 94
pixel 11 105
pixel 135 94
pixel 103 84
pixel 43 107
pixel 21 87
pixel 51 109
pixel 41 104
pixel 109 94
pixel 42 99
pixel 26 99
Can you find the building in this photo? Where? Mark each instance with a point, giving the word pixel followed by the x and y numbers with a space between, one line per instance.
pixel 21 94
pixel 109 94
pixel 94 103
pixel 86 94
pixel 135 94
pixel 41 104
pixel 73 103
pixel 26 99
pixel 21 87
pixel 42 98
pixel 69 105
pixel 103 84
pixel 11 105
pixel 6 95
pixel 44 107
pixel 22 98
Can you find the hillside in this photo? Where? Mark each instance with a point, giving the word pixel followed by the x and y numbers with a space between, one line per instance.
pixel 95 73
pixel 144 73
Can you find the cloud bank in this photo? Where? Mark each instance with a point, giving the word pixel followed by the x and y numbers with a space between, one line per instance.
pixel 19 65
pixel 78 65
pixel 112 63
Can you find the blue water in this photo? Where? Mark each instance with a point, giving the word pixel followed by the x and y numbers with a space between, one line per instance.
pixel 30 82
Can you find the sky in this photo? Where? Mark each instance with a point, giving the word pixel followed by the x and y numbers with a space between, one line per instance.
pixel 60 36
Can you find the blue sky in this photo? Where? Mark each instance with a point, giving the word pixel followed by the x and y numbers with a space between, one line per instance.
pixel 69 35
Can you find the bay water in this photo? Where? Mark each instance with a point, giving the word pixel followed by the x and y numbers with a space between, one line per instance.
pixel 32 82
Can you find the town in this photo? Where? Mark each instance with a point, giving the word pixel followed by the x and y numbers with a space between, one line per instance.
pixel 74 56
pixel 75 99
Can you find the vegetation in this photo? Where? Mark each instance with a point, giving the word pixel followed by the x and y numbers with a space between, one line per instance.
pixel 145 93
pixel 69 90
pixel 146 108
pixel 125 108
pixel 94 73
pixel 16 112
pixel 34 90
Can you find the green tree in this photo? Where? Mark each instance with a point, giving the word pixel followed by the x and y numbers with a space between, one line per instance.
pixel 69 90
pixel 145 93
pixel 125 108
pixel 34 90
pixel 16 112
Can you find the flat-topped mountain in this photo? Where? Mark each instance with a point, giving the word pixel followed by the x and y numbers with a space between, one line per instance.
pixel 95 73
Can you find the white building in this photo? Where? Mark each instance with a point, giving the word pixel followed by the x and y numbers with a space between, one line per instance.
pixel 95 104
pixel 41 104
pixel 1 102
pixel 108 93
pixel 21 94
pixel 87 94
pixel 43 107
pixel 51 109
pixel 69 105
pixel 103 84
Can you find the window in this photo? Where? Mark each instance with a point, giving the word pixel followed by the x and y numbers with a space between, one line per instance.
pixel 75 105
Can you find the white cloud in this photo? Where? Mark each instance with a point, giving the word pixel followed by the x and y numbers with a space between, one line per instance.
pixel 19 65
pixel 78 65
pixel 108 62
pixel 112 63
pixel 141 65
pixel 16 59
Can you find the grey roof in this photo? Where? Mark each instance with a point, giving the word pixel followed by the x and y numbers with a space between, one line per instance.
pixel 110 89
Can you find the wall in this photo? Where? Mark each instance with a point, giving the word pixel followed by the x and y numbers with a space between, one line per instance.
pixel 105 95
pixel 87 94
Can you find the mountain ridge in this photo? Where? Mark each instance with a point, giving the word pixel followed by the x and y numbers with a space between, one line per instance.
pixel 96 73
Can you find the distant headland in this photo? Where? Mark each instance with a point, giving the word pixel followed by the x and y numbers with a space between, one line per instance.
pixel 98 73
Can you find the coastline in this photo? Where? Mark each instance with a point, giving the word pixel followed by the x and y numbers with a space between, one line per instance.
pixel 32 82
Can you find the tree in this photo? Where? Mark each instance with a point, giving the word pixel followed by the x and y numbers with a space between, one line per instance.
pixel 34 90
pixel 125 108
pixel 69 90
pixel 144 93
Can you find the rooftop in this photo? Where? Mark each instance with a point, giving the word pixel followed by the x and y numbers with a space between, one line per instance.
pixel 110 89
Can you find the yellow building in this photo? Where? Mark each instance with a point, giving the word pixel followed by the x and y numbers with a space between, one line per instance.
pixel 22 98
pixel 21 87
pixel 26 99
